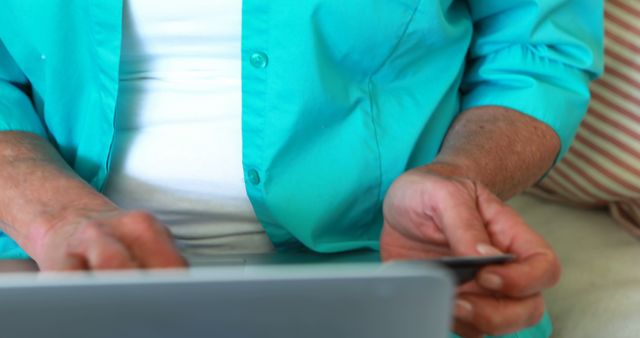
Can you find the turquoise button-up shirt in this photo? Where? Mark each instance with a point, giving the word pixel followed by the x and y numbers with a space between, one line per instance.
pixel 340 97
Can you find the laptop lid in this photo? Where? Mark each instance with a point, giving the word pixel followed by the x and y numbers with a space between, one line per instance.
pixel 338 300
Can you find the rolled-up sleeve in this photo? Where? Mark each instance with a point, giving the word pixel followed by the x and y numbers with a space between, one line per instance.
pixel 16 108
pixel 536 57
pixel 17 113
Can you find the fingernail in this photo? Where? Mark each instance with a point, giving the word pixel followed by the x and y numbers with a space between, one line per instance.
pixel 488 250
pixel 490 281
pixel 464 309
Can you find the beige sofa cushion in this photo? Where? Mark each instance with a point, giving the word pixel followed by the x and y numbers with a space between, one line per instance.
pixel 599 293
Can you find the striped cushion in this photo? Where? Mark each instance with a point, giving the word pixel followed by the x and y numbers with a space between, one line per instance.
pixel 602 168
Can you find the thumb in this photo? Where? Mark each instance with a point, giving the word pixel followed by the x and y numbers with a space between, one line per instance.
pixel 462 223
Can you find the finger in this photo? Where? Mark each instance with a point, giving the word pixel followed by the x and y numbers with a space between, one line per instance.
pixel 64 263
pixel 536 268
pixel 466 330
pixel 473 287
pixel 499 316
pixel 523 278
pixel 454 207
pixel 98 249
pixel 148 241
pixel 107 253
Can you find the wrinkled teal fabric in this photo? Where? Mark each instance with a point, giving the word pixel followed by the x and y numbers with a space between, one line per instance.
pixel 346 97
pixel 543 329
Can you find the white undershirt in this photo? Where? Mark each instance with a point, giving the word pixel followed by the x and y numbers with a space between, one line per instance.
pixel 178 142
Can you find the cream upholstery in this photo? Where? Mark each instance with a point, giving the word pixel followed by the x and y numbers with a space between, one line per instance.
pixel 599 294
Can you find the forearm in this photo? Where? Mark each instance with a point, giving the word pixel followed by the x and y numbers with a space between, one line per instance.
pixel 503 149
pixel 38 189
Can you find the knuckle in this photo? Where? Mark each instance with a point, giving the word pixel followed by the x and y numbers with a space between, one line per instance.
pixel 518 286
pixel 110 259
pixel 467 184
pixel 548 275
pixel 492 325
pixel 489 322
pixel 537 312
pixel 556 270
pixel 496 322
pixel 140 216
pixel 467 331
pixel 141 222
pixel 91 230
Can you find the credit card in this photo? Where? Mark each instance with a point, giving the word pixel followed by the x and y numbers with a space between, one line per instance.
pixel 465 268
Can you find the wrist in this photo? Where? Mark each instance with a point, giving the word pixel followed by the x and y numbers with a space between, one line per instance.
pixel 462 170
pixel 447 167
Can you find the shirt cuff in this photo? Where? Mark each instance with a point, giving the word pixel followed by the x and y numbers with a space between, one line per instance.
pixel 519 78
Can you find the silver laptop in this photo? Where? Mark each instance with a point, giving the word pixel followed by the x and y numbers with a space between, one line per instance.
pixel 337 296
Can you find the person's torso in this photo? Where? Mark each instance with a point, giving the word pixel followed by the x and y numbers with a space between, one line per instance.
pixel 338 99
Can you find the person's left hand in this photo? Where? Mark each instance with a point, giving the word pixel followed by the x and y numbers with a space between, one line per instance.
pixel 428 214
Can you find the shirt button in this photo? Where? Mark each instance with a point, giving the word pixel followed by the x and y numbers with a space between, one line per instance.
pixel 254 177
pixel 259 60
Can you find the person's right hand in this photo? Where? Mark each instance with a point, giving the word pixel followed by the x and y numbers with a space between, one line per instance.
pixel 430 213
pixel 106 240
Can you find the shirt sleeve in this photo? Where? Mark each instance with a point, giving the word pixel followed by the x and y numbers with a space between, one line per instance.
pixel 16 114
pixel 536 57
pixel 16 108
